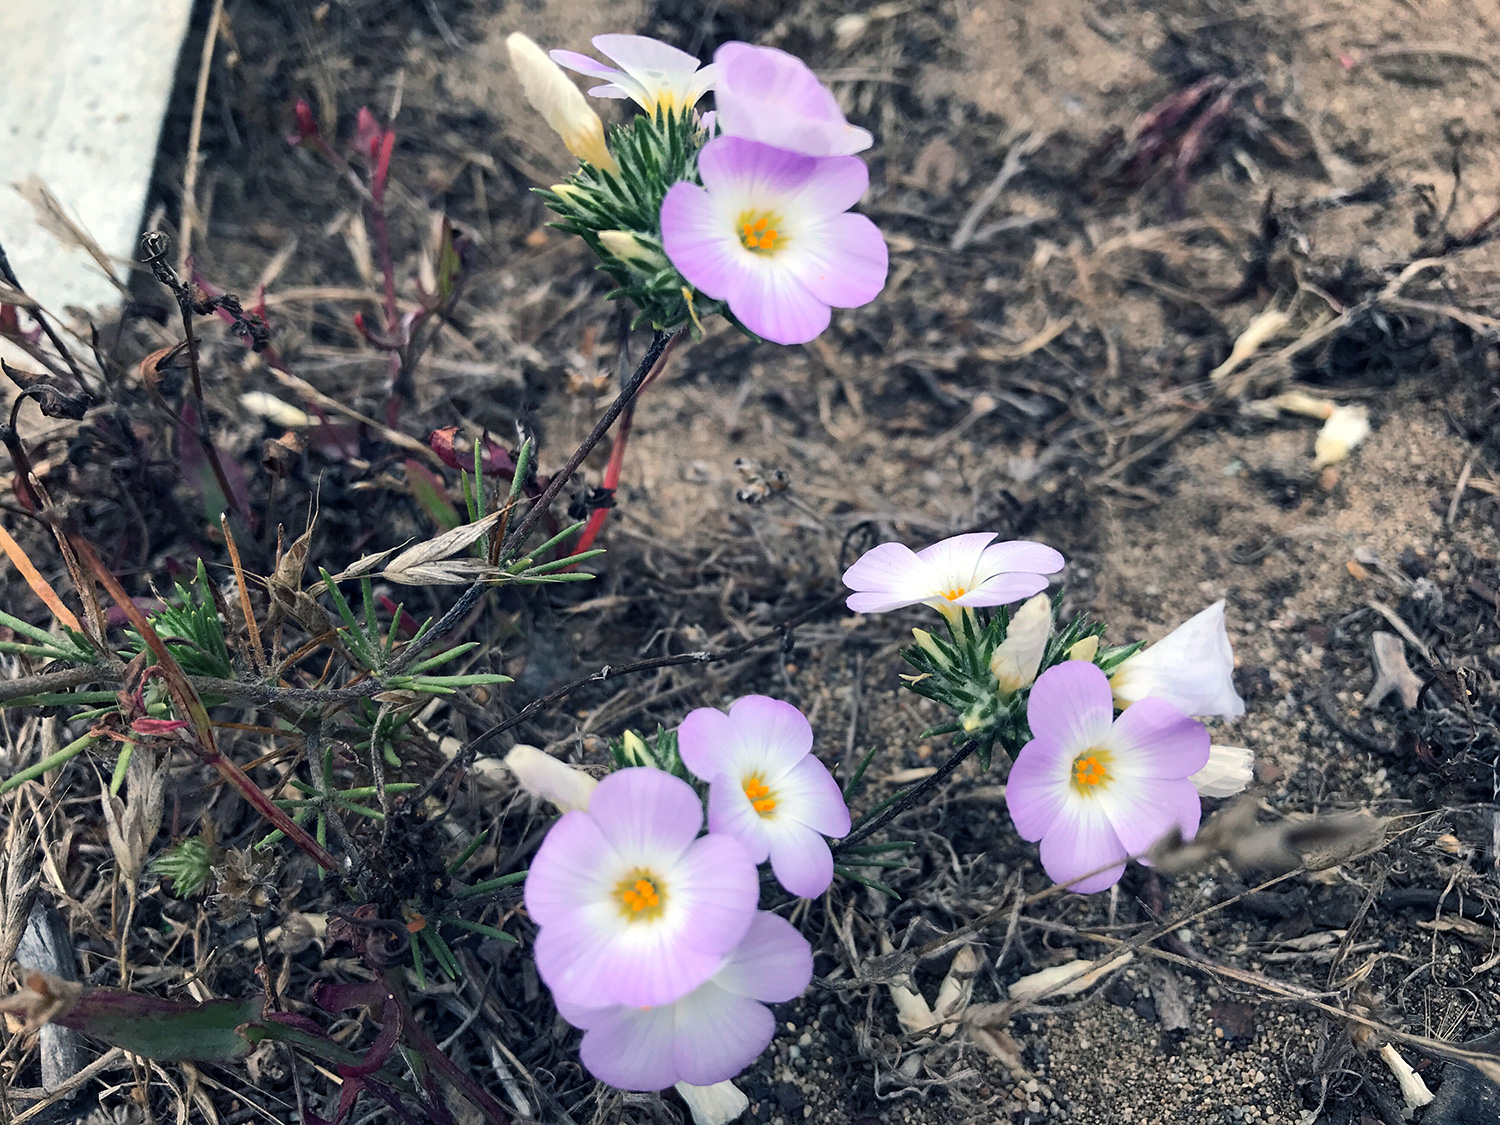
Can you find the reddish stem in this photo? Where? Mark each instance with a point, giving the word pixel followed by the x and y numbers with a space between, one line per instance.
pixel 611 479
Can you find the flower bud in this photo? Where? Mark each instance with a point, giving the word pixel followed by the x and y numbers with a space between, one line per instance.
pixel 1229 770
pixel 634 748
pixel 560 102
pixel 631 250
pixel 543 776
pixel 930 647
pixel 1015 662
pixel 1086 649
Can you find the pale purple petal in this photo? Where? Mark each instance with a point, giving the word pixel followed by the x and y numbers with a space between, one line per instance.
pixel 770 96
pixel 1037 787
pixel 1020 555
pixel 619 93
pixel 1141 815
pixel 570 868
pixel 773 963
pixel 730 812
pixel 773 304
pixel 718 1034
pixel 744 168
pixel 1003 589
pixel 644 53
pixel 844 264
pixel 800 858
pixel 1071 707
pixel 808 794
pixel 1152 738
pixel 703 741
pixel 583 64
pixel 886 577
pixel 700 240
pixel 1080 840
pixel 647 815
pixel 770 735
pixel 958 554
pixel 647 965
pixel 631 1049
pixel 831 185
pixel 716 885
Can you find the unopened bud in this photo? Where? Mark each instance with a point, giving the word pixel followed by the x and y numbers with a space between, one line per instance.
pixel 1086 649
pixel 628 248
pixel 560 102
pixel 930 647
pixel 1015 662
pixel 542 775
pixel 634 747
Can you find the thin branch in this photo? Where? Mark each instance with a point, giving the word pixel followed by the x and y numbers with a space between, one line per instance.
pixel 910 799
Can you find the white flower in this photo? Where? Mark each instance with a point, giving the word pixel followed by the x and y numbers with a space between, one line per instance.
pixel 1192 668
pixel 544 776
pixel 650 73
pixel 1230 769
pixel 961 571
pixel 1016 660
pixel 560 102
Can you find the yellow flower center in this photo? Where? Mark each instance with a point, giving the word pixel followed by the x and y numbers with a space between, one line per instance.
pixel 1091 770
pixel 641 895
pixel 760 796
pixel 954 594
pixel 759 232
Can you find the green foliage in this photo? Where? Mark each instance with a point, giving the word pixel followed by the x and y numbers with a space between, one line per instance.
pixel 187 865
pixel 190 624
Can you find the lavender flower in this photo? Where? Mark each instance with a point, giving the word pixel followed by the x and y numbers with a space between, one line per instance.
pixel 767 95
pixel 769 233
pixel 649 72
pixel 708 1035
pixel 1192 667
pixel 765 787
pixel 965 570
pixel 633 907
pixel 1095 789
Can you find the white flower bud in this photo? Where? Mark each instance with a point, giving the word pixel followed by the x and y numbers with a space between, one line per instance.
pixel 1086 649
pixel 1192 668
pixel 544 776
pixel 1346 427
pixel 1413 1089
pixel 1015 662
pixel 628 248
pixel 718 1104
pixel 1229 770
pixel 930 647
pixel 560 103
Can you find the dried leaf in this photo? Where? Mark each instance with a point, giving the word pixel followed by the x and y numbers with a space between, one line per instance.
pixel 1066 980
pixel 450 543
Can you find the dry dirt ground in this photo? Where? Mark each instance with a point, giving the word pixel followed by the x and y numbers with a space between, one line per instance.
pixel 1039 365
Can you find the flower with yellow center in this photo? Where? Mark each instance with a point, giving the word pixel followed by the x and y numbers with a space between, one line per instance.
pixel 654 75
pixel 634 907
pixel 959 573
pixel 1096 789
pixel 766 789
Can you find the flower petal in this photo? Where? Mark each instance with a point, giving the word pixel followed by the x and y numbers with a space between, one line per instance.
pixel 632 1049
pixel 770 301
pixel 718 888
pixel 703 742
pixel 641 52
pixel 809 795
pixel 584 65
pixel 770 735
pixel 773 963
pixel 1070 706
pixel 1020 555
pixel 1192 667
pixel 1144 812
pixel 730 812
pixel 1152 738
pixel 1037 787
pixel 1002 589
pixel 1230 769
pixel 886 577
pixel 699 239
pixel 1080 840
pixel 718 1034
pixel 574 865
pixel 771 96
pixel 647 815
pixel 800 858
pixel 956 557
pixel 842 262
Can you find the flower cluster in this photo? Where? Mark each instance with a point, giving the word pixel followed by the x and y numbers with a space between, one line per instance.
pixel 1095 788
pixel 650 934
pixel 744 210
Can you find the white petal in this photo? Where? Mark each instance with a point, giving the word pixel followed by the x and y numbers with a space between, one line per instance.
pixel 719 1104
pixel 1229 770
pixel 1192 668
pixel 1017 658
pixel 544 776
